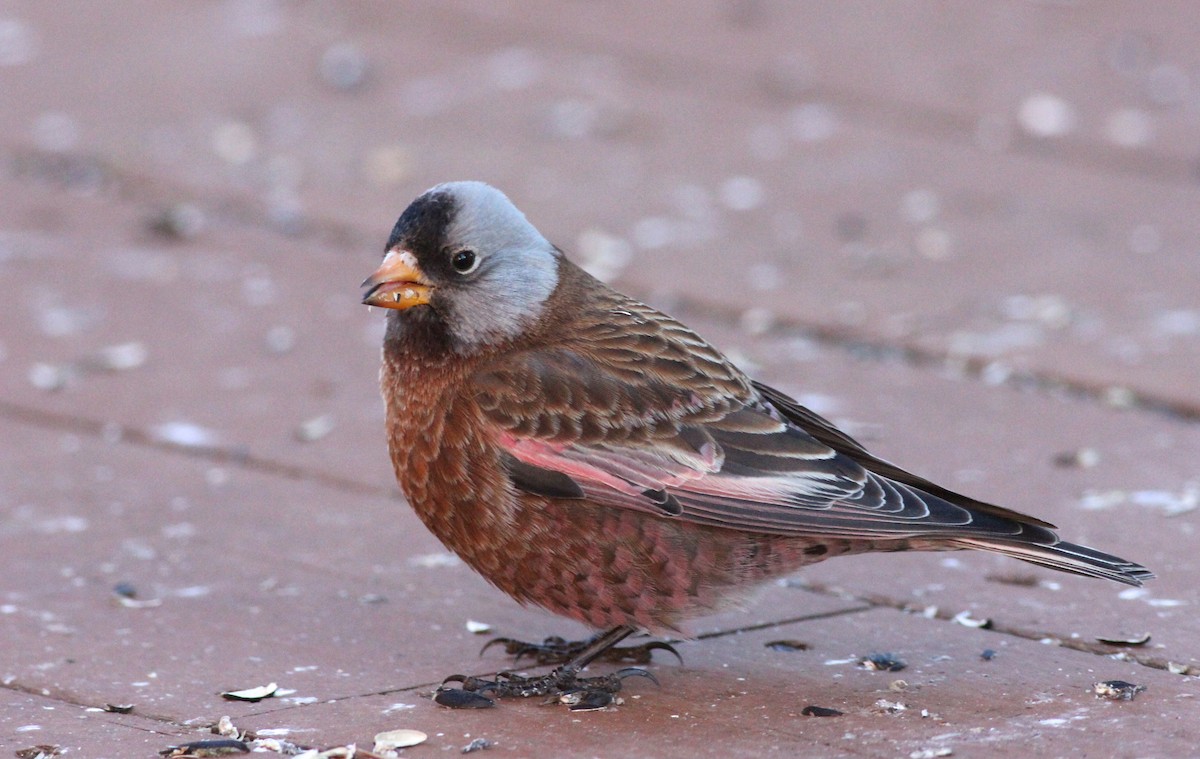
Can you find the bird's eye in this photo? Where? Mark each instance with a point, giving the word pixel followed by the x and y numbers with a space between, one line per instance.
pixel 464 261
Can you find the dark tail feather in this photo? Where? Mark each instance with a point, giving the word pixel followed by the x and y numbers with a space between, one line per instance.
pixel 1066 557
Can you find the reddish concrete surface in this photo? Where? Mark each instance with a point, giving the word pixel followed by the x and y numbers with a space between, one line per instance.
pixel 967 234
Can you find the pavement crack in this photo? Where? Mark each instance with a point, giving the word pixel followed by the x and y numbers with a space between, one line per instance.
pixel 977 368
pixel 117 433
pixel 249 212
pixel 994 625
pixel 62 697
pixel 866 606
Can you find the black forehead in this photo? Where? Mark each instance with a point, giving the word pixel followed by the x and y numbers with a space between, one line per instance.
pixel 423 225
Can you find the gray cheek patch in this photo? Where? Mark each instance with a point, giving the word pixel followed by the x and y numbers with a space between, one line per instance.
pixel 517 273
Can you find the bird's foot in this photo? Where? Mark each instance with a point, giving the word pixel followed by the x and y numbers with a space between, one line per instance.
pixel 556 650
pixel 562 686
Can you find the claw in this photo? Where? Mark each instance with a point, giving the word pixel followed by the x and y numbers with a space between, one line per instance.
pixel 551 650
pixel 470 683
pixel 656 645
pixel 557 650
pixel 621 674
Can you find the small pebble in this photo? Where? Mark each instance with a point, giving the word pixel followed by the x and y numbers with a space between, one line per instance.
pixel 49 376
pixel 813 122
pixel 1167 84
pixel 920 206
pixel 1129 128
pixel 55 132
pixel 1083 458
pixel 344 66
pixel 742 193
pixel 1045 115
pixel 180 221
pixel 18 42
pixel 235 143
pixel 314 429
pixel 280 339
pixel 515 68
pixel 602 255
pixel 121 357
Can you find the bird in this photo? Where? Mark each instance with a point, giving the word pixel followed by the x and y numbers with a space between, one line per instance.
pixel 593 456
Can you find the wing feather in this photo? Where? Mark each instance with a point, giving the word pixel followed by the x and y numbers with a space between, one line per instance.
pixel 634 410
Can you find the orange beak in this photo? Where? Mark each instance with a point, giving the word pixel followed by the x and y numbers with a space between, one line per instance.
pixel 397 283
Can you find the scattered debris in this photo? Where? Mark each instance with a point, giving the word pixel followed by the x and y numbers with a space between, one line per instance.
pixel 820 711
pixel 965 619
pixel 184 434
pixel 891 707
pixel 988 654
pixel 394 739
pixel 479 744
pixel 349 751
pixel 225 728
pixel 1117 690
pixel 1134 640
pixel 40 751
pixel 478 628
pixel 1019 580
pixel 882 663
pixel 898 686
pixel 126 595
pixel 1177 668
pixel 1170 503
pixel 251 694
pixel 932 753
pixel 588 700
pixel 118 708
pixel 207 748
pixel 435 560
pixel 787 645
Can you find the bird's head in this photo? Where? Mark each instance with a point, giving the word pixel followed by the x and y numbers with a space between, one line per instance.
pixel 465 259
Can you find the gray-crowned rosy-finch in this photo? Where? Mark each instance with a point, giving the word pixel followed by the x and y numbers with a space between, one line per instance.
pixel 593 456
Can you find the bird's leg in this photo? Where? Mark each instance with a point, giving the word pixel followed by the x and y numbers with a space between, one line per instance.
pixel 556 650
pixel 563 685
